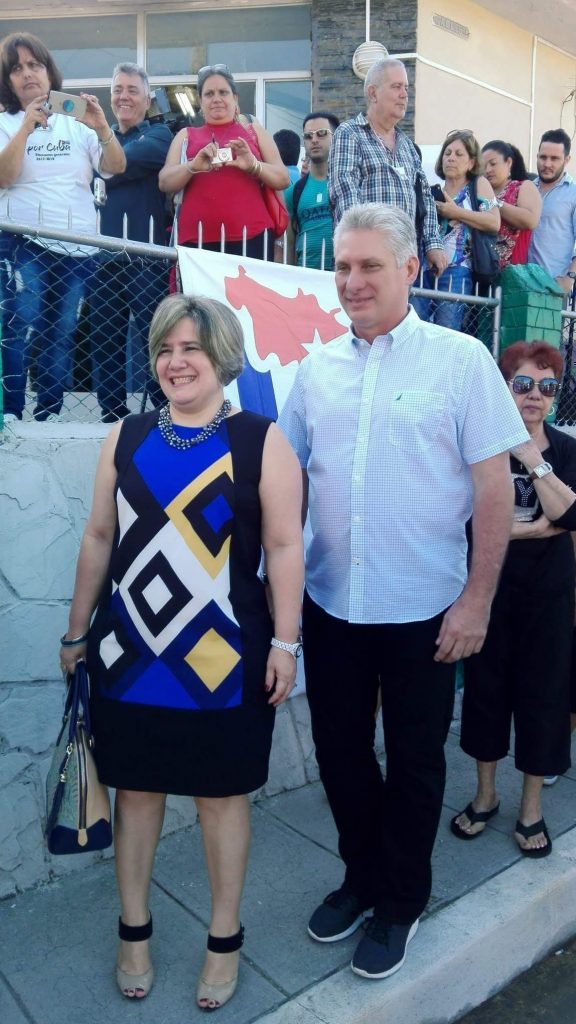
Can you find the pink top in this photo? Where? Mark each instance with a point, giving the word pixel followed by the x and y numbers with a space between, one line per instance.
pixel 226 196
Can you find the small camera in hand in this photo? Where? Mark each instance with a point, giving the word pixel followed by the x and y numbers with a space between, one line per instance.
pixel 223 156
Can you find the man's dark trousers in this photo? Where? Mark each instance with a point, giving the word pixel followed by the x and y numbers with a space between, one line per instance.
pixel 121 286
pixel 386 827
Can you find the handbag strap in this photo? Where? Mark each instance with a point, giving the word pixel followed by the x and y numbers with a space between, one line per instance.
pixel 78 700
pixel 473 190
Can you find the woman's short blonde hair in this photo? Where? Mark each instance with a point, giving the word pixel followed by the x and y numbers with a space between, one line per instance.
pixel 218 329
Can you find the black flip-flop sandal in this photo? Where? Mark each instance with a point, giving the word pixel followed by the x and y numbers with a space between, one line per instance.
pixel 474 817
pixel 527 831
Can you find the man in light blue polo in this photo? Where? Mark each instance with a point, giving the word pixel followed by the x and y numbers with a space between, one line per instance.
pixel 402 429
pixel 554 240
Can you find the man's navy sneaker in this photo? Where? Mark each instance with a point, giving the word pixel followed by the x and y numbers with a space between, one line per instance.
pixel 382 950
pixel 337 917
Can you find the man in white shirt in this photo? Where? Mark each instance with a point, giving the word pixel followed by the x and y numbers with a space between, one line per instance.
pixel 402 429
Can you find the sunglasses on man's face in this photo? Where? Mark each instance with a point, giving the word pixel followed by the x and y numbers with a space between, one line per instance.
pixel 522 385
pixel 320 132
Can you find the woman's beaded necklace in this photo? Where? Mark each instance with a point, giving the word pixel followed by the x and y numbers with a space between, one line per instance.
pixel 166 427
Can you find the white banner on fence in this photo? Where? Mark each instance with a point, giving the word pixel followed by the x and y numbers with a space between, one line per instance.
pixel 285 313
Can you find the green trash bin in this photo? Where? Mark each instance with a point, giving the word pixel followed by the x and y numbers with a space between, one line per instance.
pixel 532 304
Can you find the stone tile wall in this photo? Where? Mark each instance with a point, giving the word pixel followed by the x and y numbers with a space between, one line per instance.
pixel 338 28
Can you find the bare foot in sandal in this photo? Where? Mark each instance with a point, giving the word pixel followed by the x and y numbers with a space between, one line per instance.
pixel 472 821
pixel 533 838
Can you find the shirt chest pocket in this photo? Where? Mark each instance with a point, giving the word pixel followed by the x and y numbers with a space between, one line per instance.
pixel 415 418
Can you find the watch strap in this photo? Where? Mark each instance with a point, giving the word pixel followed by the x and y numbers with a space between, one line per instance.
pixel 294 649
pixel 544 468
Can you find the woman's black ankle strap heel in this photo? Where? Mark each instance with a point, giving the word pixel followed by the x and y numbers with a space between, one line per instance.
pixel 134 986
pixel 212 996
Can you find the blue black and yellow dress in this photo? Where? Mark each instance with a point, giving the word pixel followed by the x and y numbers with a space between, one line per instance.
pixel 178 647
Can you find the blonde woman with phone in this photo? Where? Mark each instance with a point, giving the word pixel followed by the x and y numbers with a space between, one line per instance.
pixel 47 162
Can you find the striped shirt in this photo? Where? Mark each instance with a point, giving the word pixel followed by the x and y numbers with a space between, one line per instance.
pixel 362 169
pixel 387 433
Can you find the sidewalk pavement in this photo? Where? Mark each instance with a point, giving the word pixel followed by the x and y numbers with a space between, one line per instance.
pixel 492 914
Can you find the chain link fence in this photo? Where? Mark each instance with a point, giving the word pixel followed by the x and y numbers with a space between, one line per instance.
pixel 75 312
pixel 566 409
pixel 478 315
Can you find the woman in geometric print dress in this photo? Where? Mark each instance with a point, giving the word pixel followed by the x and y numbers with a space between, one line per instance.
pixel 186 665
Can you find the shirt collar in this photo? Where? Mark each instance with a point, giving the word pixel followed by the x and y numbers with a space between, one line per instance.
pixel 134 128
pixel 566 179
pixel 396 337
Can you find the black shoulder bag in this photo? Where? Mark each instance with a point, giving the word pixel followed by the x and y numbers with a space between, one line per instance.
pixel 485 261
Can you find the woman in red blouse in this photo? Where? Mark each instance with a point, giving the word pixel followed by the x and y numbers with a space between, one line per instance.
pixel 223 188
pixel 518 198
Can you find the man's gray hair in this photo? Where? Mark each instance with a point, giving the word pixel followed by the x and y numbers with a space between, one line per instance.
pixel 379 69
pixel 127 67
pixel 393 224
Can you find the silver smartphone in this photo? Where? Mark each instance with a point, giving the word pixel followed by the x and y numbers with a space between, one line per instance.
pixel 66 103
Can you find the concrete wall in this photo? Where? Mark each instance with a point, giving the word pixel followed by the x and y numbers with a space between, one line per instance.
pixel 555 78
pixel 497 55
pixel 46 479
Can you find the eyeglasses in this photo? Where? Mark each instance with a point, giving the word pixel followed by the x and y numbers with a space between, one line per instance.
pixel 461 133
pixel 320 132
pixel 523 385
pixel 213 69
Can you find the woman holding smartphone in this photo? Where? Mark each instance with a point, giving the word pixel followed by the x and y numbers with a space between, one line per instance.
pixel 458 164
pixel 47 163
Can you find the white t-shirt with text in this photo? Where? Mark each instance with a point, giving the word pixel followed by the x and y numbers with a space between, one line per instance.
pixel 53 187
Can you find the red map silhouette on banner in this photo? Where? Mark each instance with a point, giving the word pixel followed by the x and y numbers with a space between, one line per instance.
pixel 281 325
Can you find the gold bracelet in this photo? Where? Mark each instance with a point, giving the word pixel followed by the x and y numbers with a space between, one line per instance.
pixel 106 142
pixel 191 170
pixel 256 169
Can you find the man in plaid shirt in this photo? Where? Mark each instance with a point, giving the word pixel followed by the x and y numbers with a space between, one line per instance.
pixel 371 161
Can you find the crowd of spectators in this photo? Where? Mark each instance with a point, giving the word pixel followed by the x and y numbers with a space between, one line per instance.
pixel 218 178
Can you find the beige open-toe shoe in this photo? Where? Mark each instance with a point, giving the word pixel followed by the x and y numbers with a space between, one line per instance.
pixel 134 986
pixel 213 996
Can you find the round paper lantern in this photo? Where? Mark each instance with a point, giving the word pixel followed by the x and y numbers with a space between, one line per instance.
pixel 365 56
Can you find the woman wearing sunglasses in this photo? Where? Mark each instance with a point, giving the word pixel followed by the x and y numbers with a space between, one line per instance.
pixel 221 168
pixel 522 672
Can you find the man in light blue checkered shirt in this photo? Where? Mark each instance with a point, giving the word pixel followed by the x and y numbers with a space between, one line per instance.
pixel 372 161
pixel 402 429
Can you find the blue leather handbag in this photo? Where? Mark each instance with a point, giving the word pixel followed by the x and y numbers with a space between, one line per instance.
pixel 77 804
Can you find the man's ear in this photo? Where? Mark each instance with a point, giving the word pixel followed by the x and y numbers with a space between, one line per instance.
pixel 412 269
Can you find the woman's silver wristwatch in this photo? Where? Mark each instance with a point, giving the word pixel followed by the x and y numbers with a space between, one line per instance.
pixel 539 471
pixel 294 649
